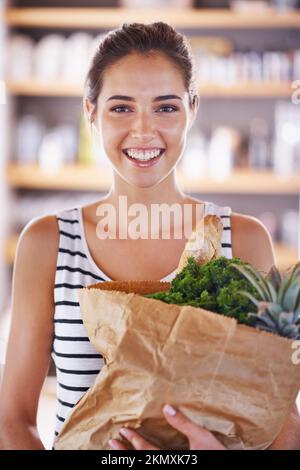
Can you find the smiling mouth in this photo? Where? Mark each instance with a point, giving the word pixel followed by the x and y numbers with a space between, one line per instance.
pixel 144 158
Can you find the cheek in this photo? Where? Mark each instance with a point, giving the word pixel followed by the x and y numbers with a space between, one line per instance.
pixel 113 133
pixel 109 126
pixel 175 132
pixel 175 125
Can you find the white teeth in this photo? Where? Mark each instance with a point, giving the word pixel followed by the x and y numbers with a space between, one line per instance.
pixel 138 155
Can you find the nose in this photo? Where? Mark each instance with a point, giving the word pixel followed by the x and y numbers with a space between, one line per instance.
pixel 143 126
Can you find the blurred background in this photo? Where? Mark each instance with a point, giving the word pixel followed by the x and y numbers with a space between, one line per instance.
pixel 244 149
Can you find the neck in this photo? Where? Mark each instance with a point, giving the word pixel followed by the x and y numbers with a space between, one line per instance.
pixel 166 192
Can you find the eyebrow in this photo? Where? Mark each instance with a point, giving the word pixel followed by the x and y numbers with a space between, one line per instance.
pixel 158 98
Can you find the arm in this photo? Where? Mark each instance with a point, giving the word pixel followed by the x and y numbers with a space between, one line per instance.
pixel 29 347
pixel 252 242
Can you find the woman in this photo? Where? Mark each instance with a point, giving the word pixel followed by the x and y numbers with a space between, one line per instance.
pixel 141 100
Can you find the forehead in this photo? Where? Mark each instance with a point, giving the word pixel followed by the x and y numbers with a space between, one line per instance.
pixel 140 74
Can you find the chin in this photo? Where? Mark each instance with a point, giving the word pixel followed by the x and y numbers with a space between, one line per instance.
pixel 144 181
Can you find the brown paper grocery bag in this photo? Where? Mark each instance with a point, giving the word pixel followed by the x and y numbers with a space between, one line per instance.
pixel 238 382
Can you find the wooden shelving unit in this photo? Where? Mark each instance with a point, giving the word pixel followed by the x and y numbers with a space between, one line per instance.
pixel 90 178
pixel 94 18
pixel 243 182
pixel 241 90
pixel 246 90
pixel 72 177
pixel 37 88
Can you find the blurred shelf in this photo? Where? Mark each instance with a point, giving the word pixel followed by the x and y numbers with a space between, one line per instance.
pixel 241 90
pixel 38 88
pixel 95 18
pixel 285 255
pixel 70 177
pixel 90 178
pixel 246 90
pixel 246 181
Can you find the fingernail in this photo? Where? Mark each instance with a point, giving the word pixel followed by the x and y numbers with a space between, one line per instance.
pixel 169 410
pixel 125 432
pixel 112 443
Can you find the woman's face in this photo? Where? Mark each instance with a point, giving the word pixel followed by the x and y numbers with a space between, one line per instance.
pixel 143 111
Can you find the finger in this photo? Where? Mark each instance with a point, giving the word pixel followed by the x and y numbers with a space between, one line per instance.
pixel 138 442
pixel 199 437
pixel 179 421
pixel 117 445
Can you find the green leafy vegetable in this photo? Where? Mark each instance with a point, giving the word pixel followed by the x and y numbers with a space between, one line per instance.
pixel 214 286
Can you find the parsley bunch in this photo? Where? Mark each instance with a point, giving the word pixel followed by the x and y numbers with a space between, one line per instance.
pixel 213 286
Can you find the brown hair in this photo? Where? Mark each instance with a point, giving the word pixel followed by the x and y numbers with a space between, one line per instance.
pixel 142 38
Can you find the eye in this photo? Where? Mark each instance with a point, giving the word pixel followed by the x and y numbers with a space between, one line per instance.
pixel 169 109
pixel 124 109
pixel 116 108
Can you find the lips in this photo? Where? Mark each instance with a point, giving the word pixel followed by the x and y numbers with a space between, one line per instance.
pixel 144 163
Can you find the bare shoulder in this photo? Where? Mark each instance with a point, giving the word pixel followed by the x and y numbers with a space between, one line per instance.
pixel 193 200
pixel 39 227
pixel 252 242
pixel 38 242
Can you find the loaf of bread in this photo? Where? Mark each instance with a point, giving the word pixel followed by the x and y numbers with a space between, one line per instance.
pixel 205 242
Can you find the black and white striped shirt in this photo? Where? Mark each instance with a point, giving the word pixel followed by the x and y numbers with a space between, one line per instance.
pixel 77 362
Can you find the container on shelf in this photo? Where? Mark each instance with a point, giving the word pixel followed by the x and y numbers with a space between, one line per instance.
pixel 221 152
pixel 284 5
pixel 290 228
pixel 258 144
pixel 19 57
pixel 29 136
pixel 286 157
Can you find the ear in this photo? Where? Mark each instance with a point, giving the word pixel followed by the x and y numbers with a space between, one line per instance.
pixel 194 111
pixel 196 103
pixel 88 108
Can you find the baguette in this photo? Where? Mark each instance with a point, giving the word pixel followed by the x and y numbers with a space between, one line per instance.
pixel 205 242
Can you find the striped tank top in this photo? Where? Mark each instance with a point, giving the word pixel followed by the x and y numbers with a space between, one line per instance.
pixel 76 360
